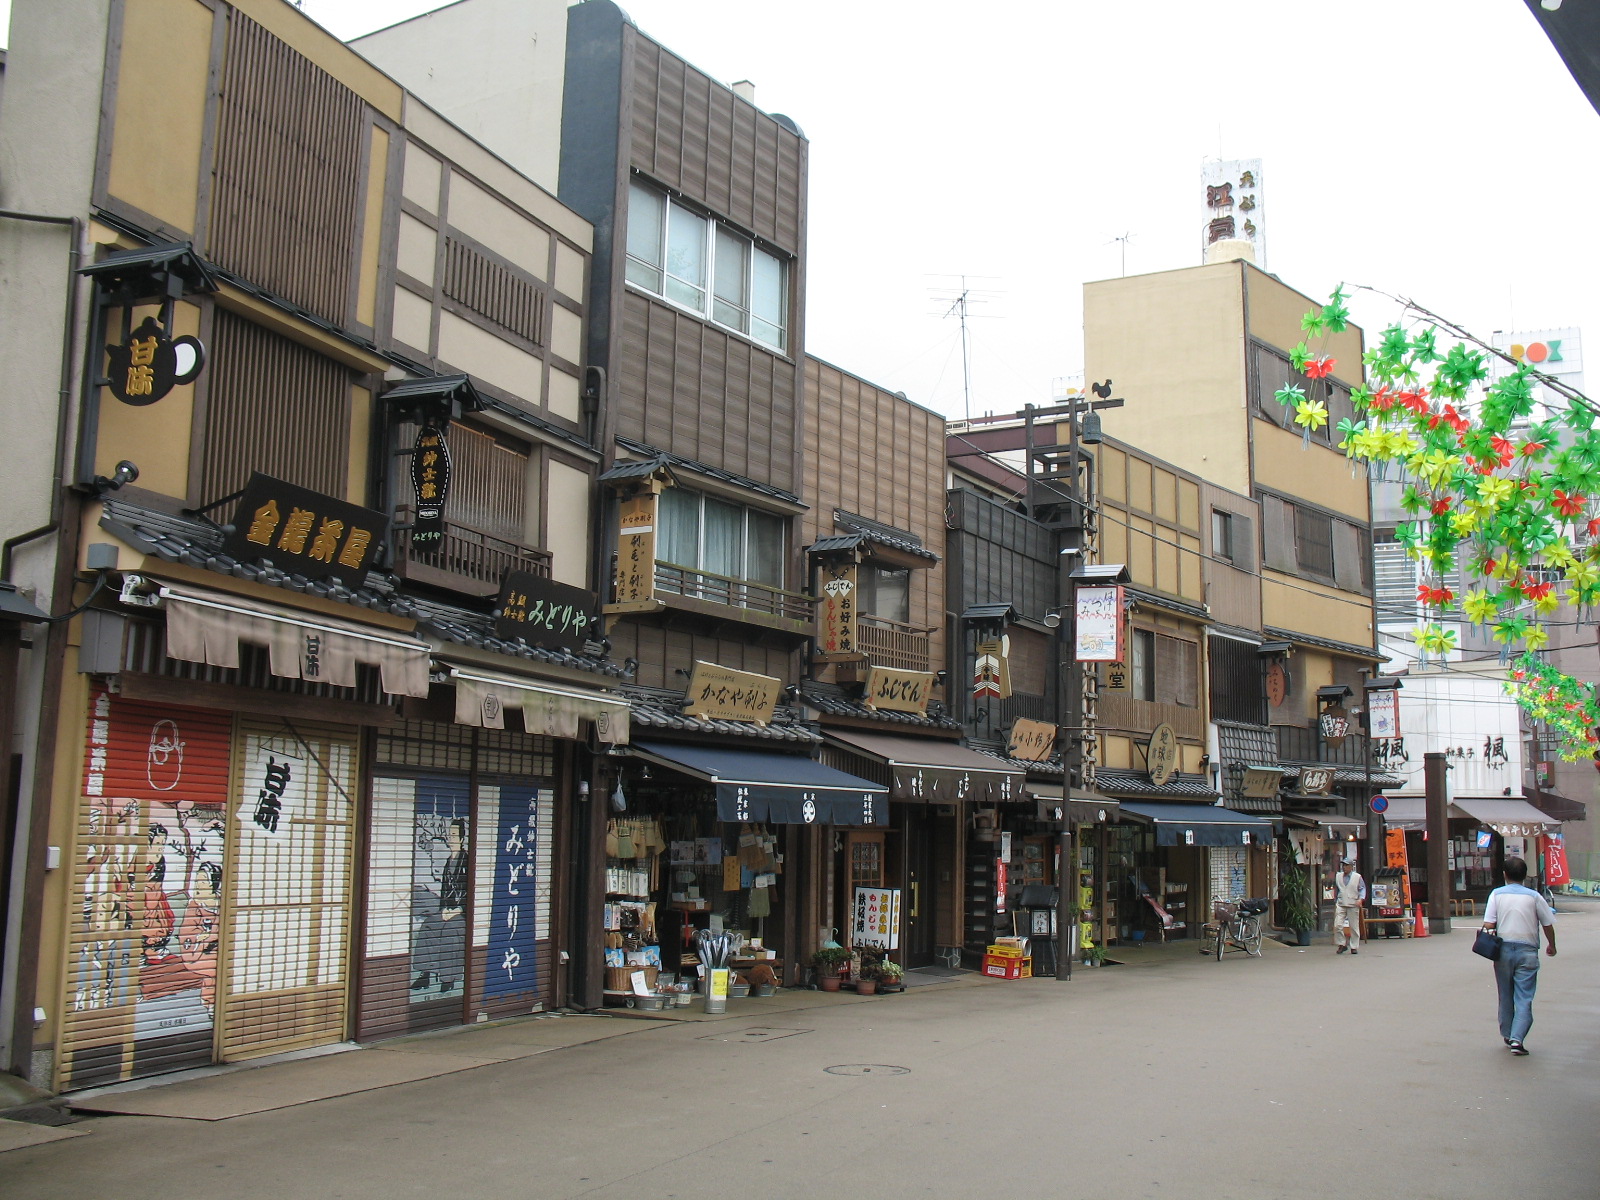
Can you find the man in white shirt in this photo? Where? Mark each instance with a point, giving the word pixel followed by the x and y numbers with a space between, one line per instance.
pixel 1349 894
pixel 1517 913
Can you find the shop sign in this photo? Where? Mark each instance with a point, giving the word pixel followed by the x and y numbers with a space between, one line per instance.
pixel 430 478
pixel 1161 754
pixel 1261 782
pixel 875 919
pixel 636 550
pixel 1279 684
pixel 1117 674
pixel 543 612
pixel 838 580
pixel 899 691
pixel 152 364
pixel 1098 624
pixel 1383 714
pixel 1031 741
pixel 992 672
pixel 509 966
pixel 723 694
pixel 1233 207
pixel 1334 725
pixel 274 788
pixel 1002 878
pixel 1555 860
pixel 304 532
pixel 1316 781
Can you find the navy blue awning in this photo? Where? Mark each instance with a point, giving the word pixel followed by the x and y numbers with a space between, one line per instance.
pixel 782 788
pixel 1200 824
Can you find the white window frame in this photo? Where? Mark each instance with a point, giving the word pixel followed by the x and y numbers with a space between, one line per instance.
pixel 758 312
pixel 746 512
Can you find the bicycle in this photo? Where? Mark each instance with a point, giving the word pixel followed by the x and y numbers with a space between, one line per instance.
pixel 1234 926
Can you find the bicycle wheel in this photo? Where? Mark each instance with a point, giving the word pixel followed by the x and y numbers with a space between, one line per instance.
pixel 1250 935
pixel 1222 939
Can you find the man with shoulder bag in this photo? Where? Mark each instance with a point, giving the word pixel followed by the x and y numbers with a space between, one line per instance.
pixel 1517 913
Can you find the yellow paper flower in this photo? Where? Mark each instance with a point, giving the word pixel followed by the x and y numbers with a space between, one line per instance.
pixel 1537 635
pixel 1464 521
pixel 1545 605
pixel 1559 554
pixel 1493 489
pixel 1479 606
pixel 1582 574
pixel 1311 413
pixel 1435 466
pixel 1434 639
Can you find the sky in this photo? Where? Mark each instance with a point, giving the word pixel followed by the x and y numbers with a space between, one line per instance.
pixel 1431 149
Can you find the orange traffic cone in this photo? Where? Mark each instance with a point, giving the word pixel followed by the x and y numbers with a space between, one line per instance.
pixel 1421 922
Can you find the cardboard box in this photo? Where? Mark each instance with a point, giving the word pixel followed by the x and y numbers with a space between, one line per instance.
pixel 1002 967
pixel 1009 948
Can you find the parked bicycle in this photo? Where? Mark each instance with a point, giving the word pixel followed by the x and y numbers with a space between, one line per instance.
pixel 1234 926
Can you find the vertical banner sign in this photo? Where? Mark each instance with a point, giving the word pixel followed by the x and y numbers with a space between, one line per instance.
pixel 1002 879
pixel 1555 860
pixel 875 919
pixel 991 674
pixel 839 609
pixel 1098 624
pixel 1383 713
pixel 636 550
pixel 274 788
pixel 430 476
pixel 509 967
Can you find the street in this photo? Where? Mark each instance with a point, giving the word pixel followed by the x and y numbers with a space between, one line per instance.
pixel 1299 1074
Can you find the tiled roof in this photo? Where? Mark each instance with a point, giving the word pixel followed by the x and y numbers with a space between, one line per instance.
pixel 700 468
pixel 1251 745
pixel 830 699
pixel 179 539
pixel 1049 769
pixel 883 535
pixel 1115 782
pixel 1306 639
pixel 1169 603
pixel 660 708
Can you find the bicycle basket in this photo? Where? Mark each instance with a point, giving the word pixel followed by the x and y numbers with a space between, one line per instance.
pixel 1223 910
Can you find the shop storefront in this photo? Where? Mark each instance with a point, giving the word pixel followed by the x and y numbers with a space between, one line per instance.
pixel 1484 832
pixel 724 838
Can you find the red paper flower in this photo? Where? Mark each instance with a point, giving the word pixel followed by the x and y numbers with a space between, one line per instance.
pixel 1532 447
pixel 1383 399
pixel 1593 527
pixel 1569 504
pixel 1504 449
pixel 1320 368
pixel 1417 401
pixel 1536 591
pixel 1440 507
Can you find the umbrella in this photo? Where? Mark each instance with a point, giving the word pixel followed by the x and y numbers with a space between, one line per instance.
pixel 714 949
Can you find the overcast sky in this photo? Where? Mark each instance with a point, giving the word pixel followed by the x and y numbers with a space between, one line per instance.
pixel 1435 149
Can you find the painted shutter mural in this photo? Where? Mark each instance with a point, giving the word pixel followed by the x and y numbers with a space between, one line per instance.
pixel 147 875
pixel 289 889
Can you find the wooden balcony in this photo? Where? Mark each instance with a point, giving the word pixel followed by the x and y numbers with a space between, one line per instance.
pixel 466 560
pixel 894 644
pixel 721 598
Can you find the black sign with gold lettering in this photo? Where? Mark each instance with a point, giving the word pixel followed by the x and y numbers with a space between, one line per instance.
pixel 544 613
pixel 430 476
pixel 152 364
pixel 304 532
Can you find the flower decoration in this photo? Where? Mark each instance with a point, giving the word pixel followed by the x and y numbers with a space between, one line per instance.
pixel 1565 704
pixel 1311 413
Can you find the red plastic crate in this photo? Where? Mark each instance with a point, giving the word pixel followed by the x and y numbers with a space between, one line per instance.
pixel 1007 968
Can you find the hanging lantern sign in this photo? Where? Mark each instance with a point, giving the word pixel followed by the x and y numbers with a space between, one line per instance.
pixel 430 476
pixel 152 364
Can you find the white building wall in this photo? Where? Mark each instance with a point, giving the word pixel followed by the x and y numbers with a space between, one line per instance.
pixel 1458 712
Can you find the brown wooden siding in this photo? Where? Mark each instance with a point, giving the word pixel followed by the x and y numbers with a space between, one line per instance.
pixel 662 651
pixel 275 406
pixel 492 290
pixel 1238 685
pixel 696 136
pixel 1119 713
pixel 686 386
pixel 286 186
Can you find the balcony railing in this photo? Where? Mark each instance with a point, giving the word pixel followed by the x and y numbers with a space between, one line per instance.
pixel 1298 743
pixel 895 644
pixel 735 593
pixel 465 559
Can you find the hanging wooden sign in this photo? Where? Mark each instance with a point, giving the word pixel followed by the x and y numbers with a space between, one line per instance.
pixel 636 550
pixel 430 478
pixel 837 642
pixel 304 532
pixel 543 612
pixel 152 364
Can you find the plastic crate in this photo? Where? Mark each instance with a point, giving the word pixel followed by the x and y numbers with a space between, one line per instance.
pixel 1002 967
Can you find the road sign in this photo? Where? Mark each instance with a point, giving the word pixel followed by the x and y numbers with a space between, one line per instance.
pixel 1380 804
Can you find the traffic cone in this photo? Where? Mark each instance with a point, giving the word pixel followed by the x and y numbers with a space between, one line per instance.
pixel 1420 923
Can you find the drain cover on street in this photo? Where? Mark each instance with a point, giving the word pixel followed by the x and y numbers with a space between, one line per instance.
pixel 867 1069
pixel 758 1033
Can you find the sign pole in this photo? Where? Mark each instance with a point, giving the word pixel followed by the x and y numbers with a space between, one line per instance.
pixel 1434 767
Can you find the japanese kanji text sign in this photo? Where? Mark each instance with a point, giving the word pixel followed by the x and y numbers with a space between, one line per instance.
pixel 304 532
pixel 542 612
pixel 723 694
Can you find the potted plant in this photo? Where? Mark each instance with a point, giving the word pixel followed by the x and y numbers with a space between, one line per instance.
pixel 891 975
pixel 1295 904
pixel 1094 955
pixel 826 962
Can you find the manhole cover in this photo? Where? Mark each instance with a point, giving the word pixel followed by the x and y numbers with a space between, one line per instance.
pixel 867 1069
pixel 757 1034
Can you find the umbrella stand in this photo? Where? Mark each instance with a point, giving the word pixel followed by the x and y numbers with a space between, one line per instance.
pixel 715 950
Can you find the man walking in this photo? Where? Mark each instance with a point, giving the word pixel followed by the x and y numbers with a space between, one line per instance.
pixel 1349 894
pixel 1517 913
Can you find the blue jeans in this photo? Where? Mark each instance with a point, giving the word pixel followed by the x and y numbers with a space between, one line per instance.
pixel 1516 974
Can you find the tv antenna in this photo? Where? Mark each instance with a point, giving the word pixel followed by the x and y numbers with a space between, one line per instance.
pixel 1122 243
pixel 959 301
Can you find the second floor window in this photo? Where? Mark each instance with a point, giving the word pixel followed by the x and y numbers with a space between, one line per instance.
pixel 885 593
pixel 706 267
pixel 1163 669
pixel 706 534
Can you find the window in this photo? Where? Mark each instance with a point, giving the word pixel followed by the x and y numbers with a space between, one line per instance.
pixel 885 593
pixel 705 266
pixel 1272 371
pixel 1313 539
pixel 706 534
pixel 1162 669
pixel 1142 664
pixel 1222 534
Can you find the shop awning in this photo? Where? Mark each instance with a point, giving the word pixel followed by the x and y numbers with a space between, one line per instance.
pixel 1199 824
pixel 782 788
pixel 1331 824
pixel 547 709
pixel 925 771
pixel 207 627
pixel 1553 804
pixel 1508 818
pixel 1082 808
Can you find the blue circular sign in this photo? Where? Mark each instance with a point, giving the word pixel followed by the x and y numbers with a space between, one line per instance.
pixel 1380 804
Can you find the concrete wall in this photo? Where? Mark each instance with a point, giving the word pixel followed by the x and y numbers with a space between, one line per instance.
pixel 496 68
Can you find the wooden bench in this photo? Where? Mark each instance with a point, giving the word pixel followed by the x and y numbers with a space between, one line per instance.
pixel 1463 908
pixel 1407 927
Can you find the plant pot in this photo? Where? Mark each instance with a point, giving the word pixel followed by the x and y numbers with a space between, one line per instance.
pixel 1302 937
pixel 828 983
pixel 866 987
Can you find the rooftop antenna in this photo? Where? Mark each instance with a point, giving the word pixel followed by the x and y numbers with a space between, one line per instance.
pixel 1122 243
pixel 960 300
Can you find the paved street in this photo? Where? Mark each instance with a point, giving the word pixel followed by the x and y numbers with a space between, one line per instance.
pixel 1301 1074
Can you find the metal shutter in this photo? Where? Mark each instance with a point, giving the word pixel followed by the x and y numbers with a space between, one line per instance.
pixel 511 931
pixel 147 868
pixel 289 889
pixel 1229 872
